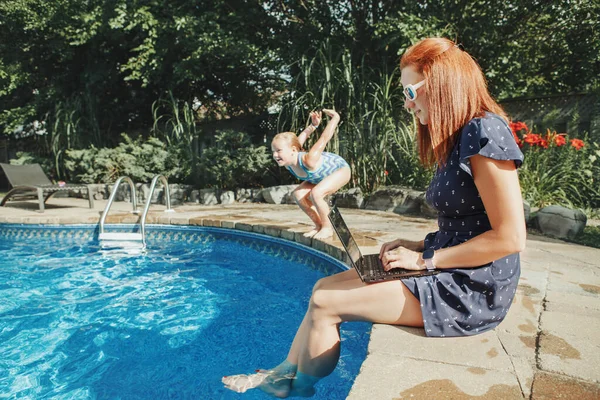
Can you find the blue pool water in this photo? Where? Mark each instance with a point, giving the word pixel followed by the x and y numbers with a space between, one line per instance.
pixel 78 323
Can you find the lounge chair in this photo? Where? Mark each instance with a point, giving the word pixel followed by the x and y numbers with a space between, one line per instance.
pixel 30 181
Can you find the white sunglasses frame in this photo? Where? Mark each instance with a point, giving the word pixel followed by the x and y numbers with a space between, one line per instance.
pixel 414 89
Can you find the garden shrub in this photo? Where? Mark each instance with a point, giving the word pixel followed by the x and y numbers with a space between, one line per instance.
pixel 140 159
pixel 233 162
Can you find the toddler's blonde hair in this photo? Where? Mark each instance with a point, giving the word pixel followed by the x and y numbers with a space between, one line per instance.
pixel 290 138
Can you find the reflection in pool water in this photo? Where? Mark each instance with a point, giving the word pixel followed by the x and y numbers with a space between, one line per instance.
pixel 199 304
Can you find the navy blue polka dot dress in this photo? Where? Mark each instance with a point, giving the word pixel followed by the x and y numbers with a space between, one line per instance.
pixel 459 302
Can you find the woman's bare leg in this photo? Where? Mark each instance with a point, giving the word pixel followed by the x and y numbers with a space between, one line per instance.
pixel 328 185
pixel 316 347
pixel 302 196
pixel 278 380
pixel 300 337
pixel 332 303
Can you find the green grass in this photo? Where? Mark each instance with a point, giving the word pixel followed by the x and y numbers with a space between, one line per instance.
pixel 589 237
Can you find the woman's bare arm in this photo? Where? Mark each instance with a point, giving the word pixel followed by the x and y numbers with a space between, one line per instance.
pixel 498 186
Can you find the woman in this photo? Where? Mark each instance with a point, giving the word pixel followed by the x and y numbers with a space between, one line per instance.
pixel 464 133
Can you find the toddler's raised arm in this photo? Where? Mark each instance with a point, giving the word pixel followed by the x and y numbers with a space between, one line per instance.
pixel 315 120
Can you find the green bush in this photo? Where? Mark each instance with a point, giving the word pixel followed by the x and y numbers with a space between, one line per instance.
pixel 139 159
pixel 233 162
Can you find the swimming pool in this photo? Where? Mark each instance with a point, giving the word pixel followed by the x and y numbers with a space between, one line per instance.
pixel 78 323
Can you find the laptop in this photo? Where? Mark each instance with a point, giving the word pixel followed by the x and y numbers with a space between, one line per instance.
pixel 369 267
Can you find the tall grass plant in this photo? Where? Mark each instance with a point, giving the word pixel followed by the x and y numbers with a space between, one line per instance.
pixel 372 136
pixel 174 121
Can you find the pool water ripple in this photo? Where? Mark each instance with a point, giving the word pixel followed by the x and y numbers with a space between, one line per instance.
pixel 78 323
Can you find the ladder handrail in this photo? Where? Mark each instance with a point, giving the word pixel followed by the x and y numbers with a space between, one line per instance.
pixel 149 200
pixel 112 197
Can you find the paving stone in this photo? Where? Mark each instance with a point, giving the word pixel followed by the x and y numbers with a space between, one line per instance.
pixel 179 220
pixel 300 238
pixel 551 259
pixel 573 253
pixel 276 229
pixel 582 281
pixel 523 315
pixel 525 372
pixel 247 224
pixel 586 305
pixel 214 222
pixel 258 227
pixel 533 283
pixel 519 346
pixel 562 324
pixel 555 387
pixel 164 218
pixel 386 376
pixel 568 345
pixel 522 352
pixel 483 350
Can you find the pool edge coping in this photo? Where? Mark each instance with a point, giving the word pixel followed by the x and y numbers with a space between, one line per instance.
pixel 285 230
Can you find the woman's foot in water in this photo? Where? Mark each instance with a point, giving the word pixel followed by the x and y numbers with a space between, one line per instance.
pixel 276 381
pixel 285 385
pixel 242 382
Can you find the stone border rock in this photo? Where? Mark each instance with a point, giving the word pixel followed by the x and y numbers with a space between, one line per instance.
pixel 559 222
pixel 555 221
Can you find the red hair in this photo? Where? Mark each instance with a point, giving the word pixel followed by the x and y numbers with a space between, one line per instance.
pixel 456 92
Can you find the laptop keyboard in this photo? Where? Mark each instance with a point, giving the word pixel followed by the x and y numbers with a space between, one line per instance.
pixel 373 266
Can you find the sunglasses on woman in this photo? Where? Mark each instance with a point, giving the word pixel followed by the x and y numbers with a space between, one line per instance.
pixel 410 91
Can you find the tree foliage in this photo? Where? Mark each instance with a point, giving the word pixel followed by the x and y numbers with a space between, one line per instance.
pixel 92 70
pixel 117 57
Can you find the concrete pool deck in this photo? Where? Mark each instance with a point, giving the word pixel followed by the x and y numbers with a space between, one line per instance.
pixel 548 346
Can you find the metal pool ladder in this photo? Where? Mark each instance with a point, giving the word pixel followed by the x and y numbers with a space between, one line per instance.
pixel 131 240
pixel 149 200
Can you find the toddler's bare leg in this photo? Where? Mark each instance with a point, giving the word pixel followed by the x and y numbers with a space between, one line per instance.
pixel 302 196
pixel 329 185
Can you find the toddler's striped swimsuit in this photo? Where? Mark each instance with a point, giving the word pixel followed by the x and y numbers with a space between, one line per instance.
pixel 330 163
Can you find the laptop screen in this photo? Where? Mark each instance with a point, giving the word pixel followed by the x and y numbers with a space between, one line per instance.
pixel 344 234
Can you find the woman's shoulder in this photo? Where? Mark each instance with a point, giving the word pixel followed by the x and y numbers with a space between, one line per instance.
pixel 487 123
pixel 490 136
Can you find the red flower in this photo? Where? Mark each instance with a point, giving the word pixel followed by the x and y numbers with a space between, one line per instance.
pixel 518 126
pixel 577 143
pixel 385 172
pixel 560 139
pixel 532 139
pixel 543 143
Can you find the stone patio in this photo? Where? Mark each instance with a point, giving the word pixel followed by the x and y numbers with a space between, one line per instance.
pixel 546 348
